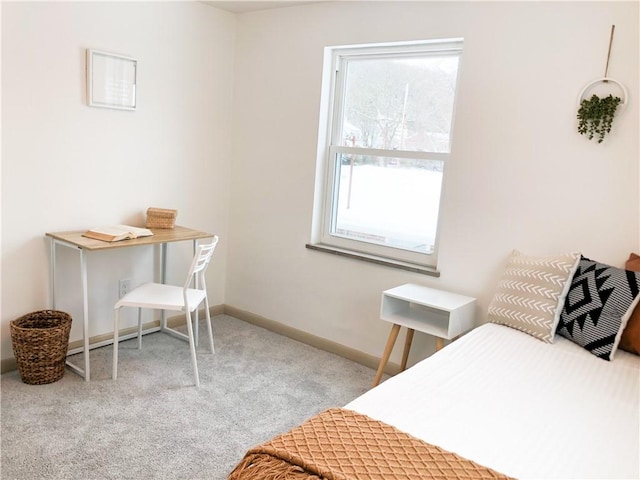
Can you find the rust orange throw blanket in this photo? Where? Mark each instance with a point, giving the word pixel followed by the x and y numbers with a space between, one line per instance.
pixel 340 444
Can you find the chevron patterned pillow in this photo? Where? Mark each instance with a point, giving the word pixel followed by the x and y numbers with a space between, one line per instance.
pixel 531 293
pixel 600 301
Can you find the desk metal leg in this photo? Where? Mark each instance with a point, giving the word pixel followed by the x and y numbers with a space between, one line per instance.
pixel 85 315
pixel 52 273
pixel 163 279
pixel 85 373
pixel 196 330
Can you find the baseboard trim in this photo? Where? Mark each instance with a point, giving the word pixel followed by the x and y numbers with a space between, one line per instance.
pixel 309 339
pixel 97 341
pixel 9 364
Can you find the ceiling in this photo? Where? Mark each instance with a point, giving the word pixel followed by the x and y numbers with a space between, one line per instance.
pixel 243 6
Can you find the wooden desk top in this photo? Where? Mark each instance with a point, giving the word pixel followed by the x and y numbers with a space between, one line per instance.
pixel 160 235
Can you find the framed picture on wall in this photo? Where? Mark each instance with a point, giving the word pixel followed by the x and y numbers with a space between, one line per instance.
pixel 111 80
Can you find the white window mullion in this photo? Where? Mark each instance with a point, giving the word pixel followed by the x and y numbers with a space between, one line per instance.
pixel 386 153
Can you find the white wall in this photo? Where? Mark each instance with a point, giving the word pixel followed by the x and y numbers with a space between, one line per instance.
pixel 68 166
pixel 520 176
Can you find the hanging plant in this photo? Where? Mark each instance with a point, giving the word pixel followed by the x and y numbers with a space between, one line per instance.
pixel 595 116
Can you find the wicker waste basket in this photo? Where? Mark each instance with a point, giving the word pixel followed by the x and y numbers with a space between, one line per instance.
pixel 40 343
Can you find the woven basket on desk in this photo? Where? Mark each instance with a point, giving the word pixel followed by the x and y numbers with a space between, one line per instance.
pixel 161 218
pixel 40 344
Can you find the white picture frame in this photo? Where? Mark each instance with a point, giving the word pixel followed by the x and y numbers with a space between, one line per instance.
pixel 111 80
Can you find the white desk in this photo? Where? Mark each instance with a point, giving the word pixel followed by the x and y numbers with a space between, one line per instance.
pixel 444 315
pixel 83 245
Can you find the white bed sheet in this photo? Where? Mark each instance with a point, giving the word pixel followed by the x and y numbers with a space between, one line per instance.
pixel 525 408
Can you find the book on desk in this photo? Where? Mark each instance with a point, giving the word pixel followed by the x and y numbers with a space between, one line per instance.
pixel 116 233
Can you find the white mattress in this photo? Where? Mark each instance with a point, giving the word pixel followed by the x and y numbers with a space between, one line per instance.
pixel 525 408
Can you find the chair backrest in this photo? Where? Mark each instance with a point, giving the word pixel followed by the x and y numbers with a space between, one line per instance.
pixel 200 263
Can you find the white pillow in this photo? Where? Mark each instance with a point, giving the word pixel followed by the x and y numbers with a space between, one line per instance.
pixel 532 291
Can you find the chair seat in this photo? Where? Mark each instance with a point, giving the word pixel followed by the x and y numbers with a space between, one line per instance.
pixel 160 296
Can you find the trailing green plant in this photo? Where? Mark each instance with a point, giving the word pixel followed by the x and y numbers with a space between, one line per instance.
pixel 595 116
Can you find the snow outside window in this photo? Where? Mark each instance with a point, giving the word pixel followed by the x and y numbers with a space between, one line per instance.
pixel 385 148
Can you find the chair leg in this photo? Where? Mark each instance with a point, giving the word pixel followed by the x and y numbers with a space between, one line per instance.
pixel 139 328
pixel 209 330
pixel 116 327
pixel 192 347
pixel 196 327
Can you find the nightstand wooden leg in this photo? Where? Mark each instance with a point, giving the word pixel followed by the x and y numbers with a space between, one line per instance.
pixel 439 343
pixel 407 347
pixel 387 353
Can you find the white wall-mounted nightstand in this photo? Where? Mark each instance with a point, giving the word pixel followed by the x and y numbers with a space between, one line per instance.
pixel 442 314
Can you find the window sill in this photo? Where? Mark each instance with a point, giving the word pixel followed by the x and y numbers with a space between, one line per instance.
pixel 411 267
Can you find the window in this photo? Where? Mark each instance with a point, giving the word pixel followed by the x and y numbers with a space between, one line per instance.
pixel 384 145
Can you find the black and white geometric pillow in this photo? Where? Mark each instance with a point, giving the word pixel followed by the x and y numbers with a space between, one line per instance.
pixel 599 303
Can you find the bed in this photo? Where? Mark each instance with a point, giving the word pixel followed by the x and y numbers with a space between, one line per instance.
pixel 525 408
pixel 498 399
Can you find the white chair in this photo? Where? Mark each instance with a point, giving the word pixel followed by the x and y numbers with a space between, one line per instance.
pixel 168 297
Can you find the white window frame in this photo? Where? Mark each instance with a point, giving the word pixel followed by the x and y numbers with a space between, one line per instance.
pixel 330 127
